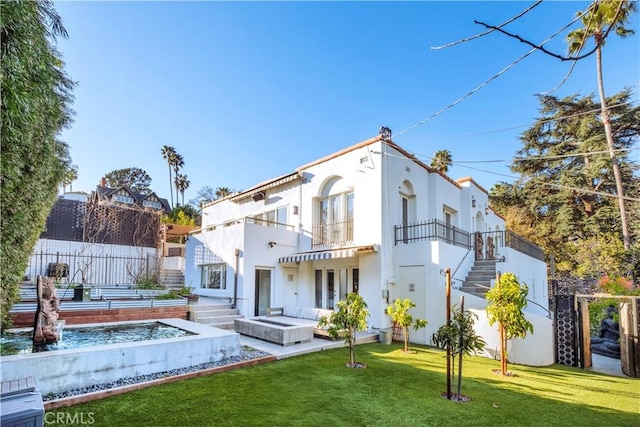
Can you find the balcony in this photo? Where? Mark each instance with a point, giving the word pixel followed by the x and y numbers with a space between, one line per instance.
pixel 431 230
pixel 486 245
pixel 332 234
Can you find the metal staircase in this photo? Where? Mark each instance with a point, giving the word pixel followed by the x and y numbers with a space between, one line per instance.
pixel 478 281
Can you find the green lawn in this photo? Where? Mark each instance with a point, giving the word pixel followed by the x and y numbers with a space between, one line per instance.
pixel 396 389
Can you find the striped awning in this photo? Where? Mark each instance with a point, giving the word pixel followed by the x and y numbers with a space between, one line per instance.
pixel 329 254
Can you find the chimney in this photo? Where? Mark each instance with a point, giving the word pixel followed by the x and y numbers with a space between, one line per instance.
pixel 103 182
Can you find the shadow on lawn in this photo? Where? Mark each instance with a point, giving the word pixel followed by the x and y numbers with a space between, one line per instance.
pixel 397 389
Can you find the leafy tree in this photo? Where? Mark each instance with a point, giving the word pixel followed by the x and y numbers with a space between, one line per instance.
pixel 350 317
pixel 505 302
pixel 566 194
pixel 461 338
pixel 602 16
pixel 35 107
pixel 169 153
pixel 399 313
pixel 182 183
pixel 182 215
pixel 135 179
pixel 441 161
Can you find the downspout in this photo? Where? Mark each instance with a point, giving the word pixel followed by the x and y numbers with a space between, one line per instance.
pixel 235 279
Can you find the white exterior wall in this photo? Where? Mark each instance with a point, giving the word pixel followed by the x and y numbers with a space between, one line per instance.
pixel 78 256
pixel 378 175
pixel 532 272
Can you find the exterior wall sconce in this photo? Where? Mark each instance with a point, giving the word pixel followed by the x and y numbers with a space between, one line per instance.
pixel 473 202
pixel 486 210
pixel 258 196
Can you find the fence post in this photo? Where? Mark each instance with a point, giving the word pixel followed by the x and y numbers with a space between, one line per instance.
pixel 146 270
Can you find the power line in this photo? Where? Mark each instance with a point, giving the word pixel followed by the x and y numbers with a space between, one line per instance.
pixel 550 184
pixel 595 110
pixel 520 15
pixel 495 76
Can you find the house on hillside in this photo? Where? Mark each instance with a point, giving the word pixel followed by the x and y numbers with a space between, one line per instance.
pixel 371 219
pixel 111 237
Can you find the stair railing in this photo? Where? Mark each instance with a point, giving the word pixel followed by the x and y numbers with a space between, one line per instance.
pixel 461 262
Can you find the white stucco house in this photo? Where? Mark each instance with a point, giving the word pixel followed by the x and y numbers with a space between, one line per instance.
pixel 371 219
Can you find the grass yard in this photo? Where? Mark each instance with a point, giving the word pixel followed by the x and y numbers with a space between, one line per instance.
pixel 396 389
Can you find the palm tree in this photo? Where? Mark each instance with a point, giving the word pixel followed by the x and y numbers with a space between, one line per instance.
pixel 223 192
pixel 441 161
pixel 177 163
pixel 182 183
pixel 168 153
pixel 605 15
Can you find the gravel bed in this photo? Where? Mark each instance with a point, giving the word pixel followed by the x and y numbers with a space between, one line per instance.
pixel 246 354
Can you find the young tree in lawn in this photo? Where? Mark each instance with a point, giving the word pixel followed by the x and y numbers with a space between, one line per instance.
pixel 462 338
pixel 506 300
pixel 350 317
pixel 399 313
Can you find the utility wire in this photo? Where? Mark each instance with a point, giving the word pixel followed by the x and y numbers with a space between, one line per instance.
pixel 520 15
pixel 550 184
pixel 595 110
pixel 424 158
pixel 492 78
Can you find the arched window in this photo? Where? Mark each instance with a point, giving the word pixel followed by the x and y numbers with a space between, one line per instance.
pixel 333 225
pixel 407 208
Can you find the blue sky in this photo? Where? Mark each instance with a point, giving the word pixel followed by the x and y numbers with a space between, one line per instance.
pixel 247 91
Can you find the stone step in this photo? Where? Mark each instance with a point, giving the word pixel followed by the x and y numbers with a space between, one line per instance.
pixel 209 307
pixel 218 320
pixel 215 313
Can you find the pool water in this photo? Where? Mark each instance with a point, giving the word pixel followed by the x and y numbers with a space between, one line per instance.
pixel 79 337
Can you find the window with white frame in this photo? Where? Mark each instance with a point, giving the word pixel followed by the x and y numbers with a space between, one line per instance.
pixel 152 204
pixel 123 199
pixel 214 276
pixel 274 218
pixel 334 215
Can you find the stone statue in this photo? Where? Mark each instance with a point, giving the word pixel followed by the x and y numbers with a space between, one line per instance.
pixel 479 246
pixel 44 328
pixel 490 248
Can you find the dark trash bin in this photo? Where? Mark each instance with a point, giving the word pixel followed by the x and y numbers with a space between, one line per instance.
pixel 82 293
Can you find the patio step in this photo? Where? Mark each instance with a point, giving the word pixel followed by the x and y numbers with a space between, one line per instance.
pixel 216 315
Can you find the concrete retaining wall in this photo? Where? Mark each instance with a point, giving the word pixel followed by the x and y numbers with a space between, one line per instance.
pixel 62 370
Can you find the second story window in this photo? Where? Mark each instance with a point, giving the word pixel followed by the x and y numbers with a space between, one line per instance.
pixel 334 225
pixel 152 204
pixel 123 199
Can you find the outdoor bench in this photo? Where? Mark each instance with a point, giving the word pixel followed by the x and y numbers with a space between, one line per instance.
pixel 302 316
